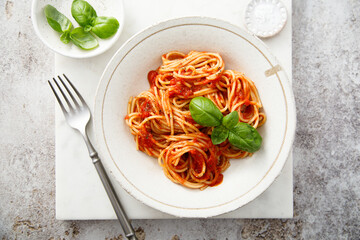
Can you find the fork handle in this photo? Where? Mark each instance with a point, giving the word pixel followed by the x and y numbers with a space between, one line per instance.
pixel 120 213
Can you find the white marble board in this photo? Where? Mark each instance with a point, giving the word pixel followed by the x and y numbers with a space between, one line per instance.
pixel 79 192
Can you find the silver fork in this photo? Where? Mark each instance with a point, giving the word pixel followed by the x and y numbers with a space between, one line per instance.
pixel 77 115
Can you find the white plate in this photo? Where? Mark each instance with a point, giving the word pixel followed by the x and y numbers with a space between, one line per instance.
pixel 139 174
pixel 51 38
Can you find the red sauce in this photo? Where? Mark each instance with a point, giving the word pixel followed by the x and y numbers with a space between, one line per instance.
pixel 212 160
pixel 145 108
pixel 176 81
pixel 247 109
pixel 218 180
pixel 206 176
pixel 175 56
pixel 214 156
pixel 146 139
pixel 189 119
pixel 198 160
pixel 180 90
pixel 151 77
pixel 209 145
pixel 213 83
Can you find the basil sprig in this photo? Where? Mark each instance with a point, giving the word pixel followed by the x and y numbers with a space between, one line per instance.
pixel 204 112
pixel 62 24
pixel 83 13
pixel 59 22
pixel 82 39
pixel 105 27
pixel 245 137
pixel 86 16
pixel 230 120
pixel 240 135
pixel 219 134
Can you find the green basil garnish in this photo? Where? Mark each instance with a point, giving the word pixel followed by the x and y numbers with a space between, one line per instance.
pixel 58 22
pixel 219 134
pixel 82 39
pixel 245 137
pixel 204 112
pixel 65 37
pixel 83 13
pixel 105 27
pixel 230 120
pixel 240 135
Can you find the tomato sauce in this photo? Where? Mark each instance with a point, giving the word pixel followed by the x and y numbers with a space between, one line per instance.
pixel 146 139
pixel 151 77
pixel 180 90
pixel 212 160
pixel 198 160
pixel 145 108
pixel 247 102
pixel 247 109
pixel 218 180
pixel 190 120
pixel 213 83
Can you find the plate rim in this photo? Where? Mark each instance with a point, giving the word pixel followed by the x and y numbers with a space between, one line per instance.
pixel 275 169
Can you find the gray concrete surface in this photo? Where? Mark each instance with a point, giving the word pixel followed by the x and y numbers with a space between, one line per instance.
pixel 326 82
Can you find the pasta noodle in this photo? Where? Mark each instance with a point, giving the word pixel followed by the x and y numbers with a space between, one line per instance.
pixel 161 122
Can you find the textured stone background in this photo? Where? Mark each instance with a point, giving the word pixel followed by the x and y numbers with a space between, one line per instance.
pixel 326 82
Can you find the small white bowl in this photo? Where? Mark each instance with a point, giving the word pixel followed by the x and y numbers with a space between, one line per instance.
pixel 51 38
pixel 265 18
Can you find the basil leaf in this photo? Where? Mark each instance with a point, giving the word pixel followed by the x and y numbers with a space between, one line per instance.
pixel 65 37
pixel 83 13
pixel 230 120
pixel 57 20
pixel 219 134
pixel 245 137
pixel 82 39
pixel 105 27
pixel 204 112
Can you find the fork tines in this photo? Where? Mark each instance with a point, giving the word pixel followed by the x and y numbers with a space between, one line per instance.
pixel 66 90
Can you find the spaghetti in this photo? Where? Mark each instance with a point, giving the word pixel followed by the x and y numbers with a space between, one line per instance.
pixel 161 122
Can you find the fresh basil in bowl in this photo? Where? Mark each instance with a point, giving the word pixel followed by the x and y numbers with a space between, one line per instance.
pixel 96 27
pixel 86 16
